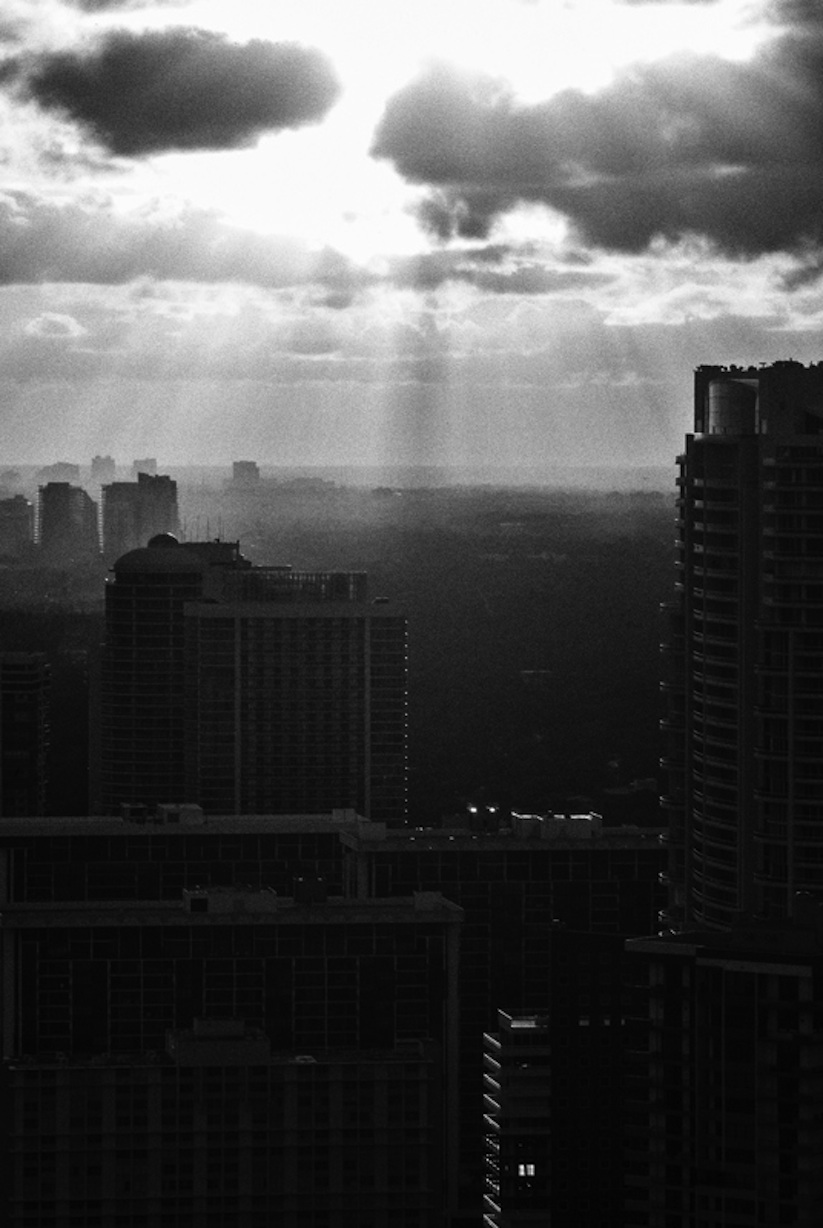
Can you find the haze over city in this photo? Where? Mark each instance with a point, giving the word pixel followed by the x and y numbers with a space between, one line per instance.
pixel 462 234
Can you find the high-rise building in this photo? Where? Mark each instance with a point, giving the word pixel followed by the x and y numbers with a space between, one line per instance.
pixel 134 512
pixel 296 696
pixel 67 523
pixel 138 723
pixel 145 464
pixel 103 469
pixel 16 525
pixel 723 1031
pixel 745 648
pixel 24 732
pixel 245 475
pixel 249 689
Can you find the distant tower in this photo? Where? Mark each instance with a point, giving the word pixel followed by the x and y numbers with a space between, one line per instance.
pixel 60 471
pixel 245 475
pixel 249 689
pixel 103 469
pixel 141 709
pixel 24 732
pixel 148 464
pixel 745 648
pixel 133 512
pixel 67 523
pixel 296 696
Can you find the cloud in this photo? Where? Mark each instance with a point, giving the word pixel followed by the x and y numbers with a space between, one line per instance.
pixel 103 6
pixel 692 145
pixel 181 89
pixel 493 269
pixel 90 243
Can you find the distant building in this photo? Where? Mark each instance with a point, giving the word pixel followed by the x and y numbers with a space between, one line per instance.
pixel 60 471
pixel 103 469
pixel 67 523
pixel 16 526
pixel 25 685
pixel 148 464
pixel 296 695
pixel 249 689
pixel 245 475
pixel 134 512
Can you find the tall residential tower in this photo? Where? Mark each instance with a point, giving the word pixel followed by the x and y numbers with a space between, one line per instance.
pixel 744 672
pixel 246 689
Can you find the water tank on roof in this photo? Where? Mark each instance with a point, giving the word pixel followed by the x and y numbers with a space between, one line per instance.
pixel 732 406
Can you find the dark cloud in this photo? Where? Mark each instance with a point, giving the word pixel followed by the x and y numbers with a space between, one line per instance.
pixel 41 242
pixel 692 145
pixel 181 89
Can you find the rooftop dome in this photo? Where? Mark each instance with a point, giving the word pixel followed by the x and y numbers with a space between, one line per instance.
pixel 163 541
pixel 162 555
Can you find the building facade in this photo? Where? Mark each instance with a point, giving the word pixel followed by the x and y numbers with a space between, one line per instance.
pixel 134 512
pixel 522 888
pixel 25 692
pixel 67 524
pixel 249 689
pixel 744 651
pixel 724 1124
pixel 16 526
pixel 231 1057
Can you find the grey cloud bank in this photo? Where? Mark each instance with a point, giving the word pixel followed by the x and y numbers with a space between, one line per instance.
pixel 180 89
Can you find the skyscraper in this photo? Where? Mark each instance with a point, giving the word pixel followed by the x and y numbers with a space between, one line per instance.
pixel 67 523
pixel 133 512
pixel 249 689
pixel 296 696
pixel 744 671
pixel 724 1034
pixel 140 714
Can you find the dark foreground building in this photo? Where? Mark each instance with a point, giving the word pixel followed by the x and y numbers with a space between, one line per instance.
pixel 725 1128
pixel 546 900
pixel 231 1058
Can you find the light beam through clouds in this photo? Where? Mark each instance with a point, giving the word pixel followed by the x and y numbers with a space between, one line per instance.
pixel 473 231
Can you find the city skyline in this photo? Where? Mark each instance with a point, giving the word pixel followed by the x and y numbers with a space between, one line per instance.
pixel 498 230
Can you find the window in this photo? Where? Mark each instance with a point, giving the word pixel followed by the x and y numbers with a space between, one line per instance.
pixel 525 1170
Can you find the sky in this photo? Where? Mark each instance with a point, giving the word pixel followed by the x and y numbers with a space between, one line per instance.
pixel 474 233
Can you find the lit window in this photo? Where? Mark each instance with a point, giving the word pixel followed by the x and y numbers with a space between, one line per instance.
pixel 525 1170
